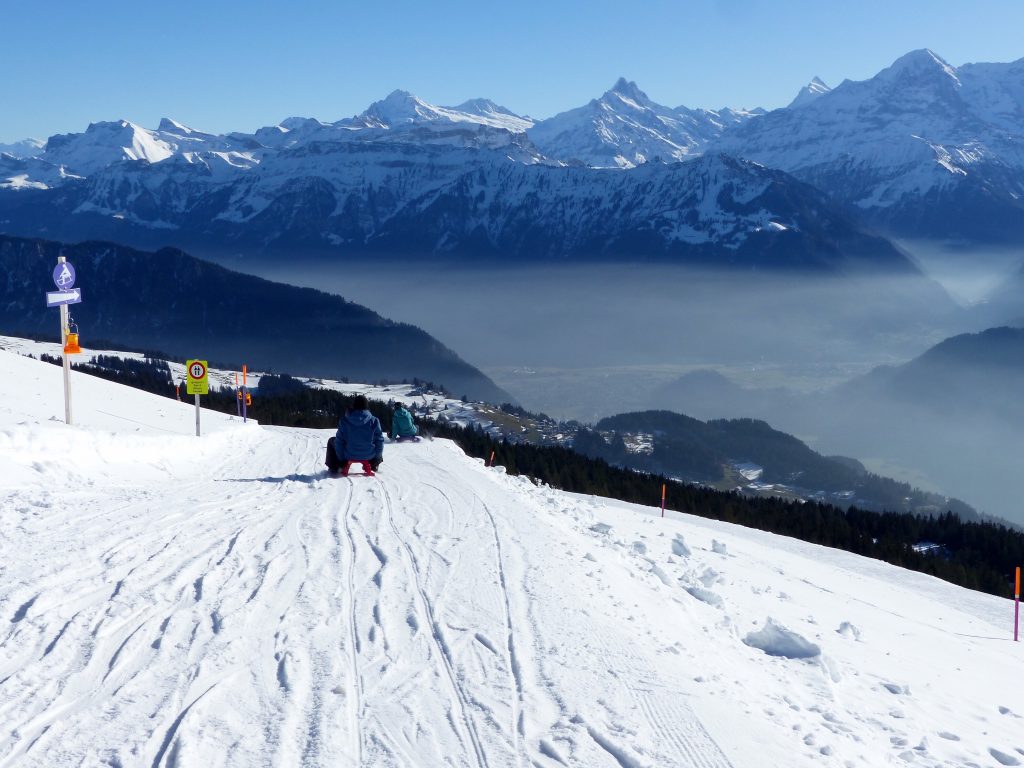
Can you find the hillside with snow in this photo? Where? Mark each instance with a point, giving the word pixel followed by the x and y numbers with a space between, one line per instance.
pixel 169 600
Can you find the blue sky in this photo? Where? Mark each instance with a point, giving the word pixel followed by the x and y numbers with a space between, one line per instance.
pixel 222 66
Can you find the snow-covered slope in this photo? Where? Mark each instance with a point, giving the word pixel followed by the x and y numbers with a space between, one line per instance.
pixel 23 148
pixel 172 600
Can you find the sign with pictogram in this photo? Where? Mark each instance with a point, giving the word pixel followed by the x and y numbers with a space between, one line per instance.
pixel 198 383
pixel 64 276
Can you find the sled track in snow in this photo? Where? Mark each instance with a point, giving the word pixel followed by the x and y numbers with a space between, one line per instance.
pixel 435 633
pixel 518 729
pixel 354 696
pixel 518 708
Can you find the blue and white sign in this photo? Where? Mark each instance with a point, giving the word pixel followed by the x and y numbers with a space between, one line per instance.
pixel 74 296
pixel 64 276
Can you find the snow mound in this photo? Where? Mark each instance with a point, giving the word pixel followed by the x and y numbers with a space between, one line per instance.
pixel 679 547
pixel 776 640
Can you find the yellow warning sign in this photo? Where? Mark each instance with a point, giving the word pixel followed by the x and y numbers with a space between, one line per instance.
pixel 197 383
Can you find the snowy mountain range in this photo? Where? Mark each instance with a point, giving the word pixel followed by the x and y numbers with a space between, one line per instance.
pixel 922 149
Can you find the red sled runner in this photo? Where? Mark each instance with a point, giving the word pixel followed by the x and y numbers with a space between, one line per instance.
pixel 335 467
pixel 367 469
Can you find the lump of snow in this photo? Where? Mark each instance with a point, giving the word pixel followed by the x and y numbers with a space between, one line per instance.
pixel 1002 758
pixel 709 577
pixel 662 576
pixel 679 546
pixel 706 596
pixel 897 690
pixel 776 640
pixel 718 547
pixel 601 528
pixel 846 629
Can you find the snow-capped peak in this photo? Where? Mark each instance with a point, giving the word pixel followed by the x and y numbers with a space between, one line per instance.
pixel 398 108
pixel 494 114
pixel 173 126
pixel 922 63
pixel 628 89
pixel 810 92
pixel 298 123
pixel 104 143
pixel 402 108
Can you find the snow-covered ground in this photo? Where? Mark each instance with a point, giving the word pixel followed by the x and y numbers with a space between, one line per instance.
pixel 432 405
pixel 167 600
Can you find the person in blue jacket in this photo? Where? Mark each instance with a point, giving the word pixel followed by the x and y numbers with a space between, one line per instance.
pixel 359 438
pixel 402 426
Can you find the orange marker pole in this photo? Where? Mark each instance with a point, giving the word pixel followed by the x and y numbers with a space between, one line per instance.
pixel 663 499
pixel 177 392
pixel 1016 606
pixel 491 462
pixel 245 388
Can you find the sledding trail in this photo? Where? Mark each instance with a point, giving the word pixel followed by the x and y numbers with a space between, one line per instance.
pixel 354 695
pixel 434 628
pixel 169 601
pixel 500 641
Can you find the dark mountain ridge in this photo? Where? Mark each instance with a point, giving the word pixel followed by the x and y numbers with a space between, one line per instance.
pixel 183 306
pixel 700 451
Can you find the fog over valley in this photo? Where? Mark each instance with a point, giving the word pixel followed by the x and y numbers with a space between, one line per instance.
pixel 587 341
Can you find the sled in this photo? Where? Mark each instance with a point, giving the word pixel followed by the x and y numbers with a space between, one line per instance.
pixel 344 471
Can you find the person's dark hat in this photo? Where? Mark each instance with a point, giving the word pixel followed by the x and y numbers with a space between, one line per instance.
pixel 360 403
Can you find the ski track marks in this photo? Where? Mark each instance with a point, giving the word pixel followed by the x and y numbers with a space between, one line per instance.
pixel 249 613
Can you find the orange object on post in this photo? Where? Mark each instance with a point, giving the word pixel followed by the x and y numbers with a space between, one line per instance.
pixel 71 347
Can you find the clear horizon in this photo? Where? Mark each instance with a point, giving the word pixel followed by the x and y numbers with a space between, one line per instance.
pixel 237 67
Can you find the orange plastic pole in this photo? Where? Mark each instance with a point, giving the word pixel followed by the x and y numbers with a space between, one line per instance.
pixel 245 389
pixel 491 462
pixel 663 499
pixel 1016 607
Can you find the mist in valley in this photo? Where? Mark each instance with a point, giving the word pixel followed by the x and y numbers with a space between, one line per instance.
pixel 587 341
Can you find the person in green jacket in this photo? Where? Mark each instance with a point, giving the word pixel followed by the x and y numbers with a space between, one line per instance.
pixel 402 427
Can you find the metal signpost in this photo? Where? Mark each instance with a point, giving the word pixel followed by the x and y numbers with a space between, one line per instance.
pixel 197 384
pixel 66 293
